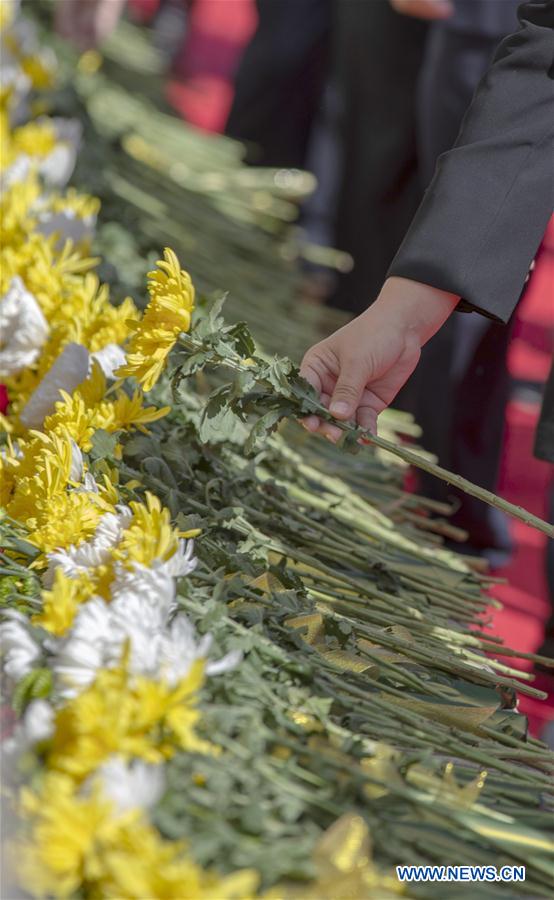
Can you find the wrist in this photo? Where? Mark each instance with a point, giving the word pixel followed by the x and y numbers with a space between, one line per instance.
pixel 415 308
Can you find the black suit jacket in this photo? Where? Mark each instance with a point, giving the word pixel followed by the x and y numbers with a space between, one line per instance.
pixel 485 212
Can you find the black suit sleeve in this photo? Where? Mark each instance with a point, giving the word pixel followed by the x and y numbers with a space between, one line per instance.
pixel 486 210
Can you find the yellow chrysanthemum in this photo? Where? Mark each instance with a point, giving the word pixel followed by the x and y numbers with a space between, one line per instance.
pixel 54 274
pixel 74 417
pixel 60 604
pixel 81 419
pixel 147 356
pixel 71 518
pixel 167 315
pixel 83 205
pixel 52 861
pixel 40 494
pixel 77 309
pixel 128 412
pixel 50 274
pixel 38 71
pixel 127 715
pixel 150 535
pixel 89 317
pixel 139 864
pixel 34 139
pixel 77 838
pixel 16 215
pixel 7 13
pixel 93 390
pixel 36 471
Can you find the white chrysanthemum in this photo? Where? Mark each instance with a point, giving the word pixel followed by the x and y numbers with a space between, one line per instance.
pixel 67 225
pixel 180 648
pixel 17 172
pixel 100 632
pixel 152 586
pixel 137 617
pixel 79 655
pixel 14 451
pixel 76 471
pixel 76 560
pixel 10 11
pixel 130 785
pixel 89 484
pixel 37 725
pixel 38 722
pixel 23 329
pixel 109 358
pixel 18 649
pixel 23 33
pixel 183 562
pixel 57 167
pixel 67 373
pixel 18 84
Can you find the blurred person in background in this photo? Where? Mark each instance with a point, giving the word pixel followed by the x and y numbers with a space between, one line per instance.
pixel 378 55
pixel 87 22
pixel 408 70
pixel 285 111
pixel 280 80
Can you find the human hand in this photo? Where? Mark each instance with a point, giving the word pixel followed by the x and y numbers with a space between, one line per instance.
pixel 86 23
pixel 359 369
pixel 424 9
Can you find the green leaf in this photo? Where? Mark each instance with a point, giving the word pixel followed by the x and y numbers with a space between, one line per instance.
pixel 103 445
pixel 262 428
pixel 350 441
pixel 160 470
pixel 190 364
pixel 277 373
pixel 207 317
pixel 243 341
pixel 303 391
pixel 36 684
pixel 219 424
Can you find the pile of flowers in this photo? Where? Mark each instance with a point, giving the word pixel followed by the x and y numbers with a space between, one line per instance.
pixel 108 667
pixel 133 768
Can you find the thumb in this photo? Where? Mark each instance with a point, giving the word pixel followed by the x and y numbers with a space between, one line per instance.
pixel 348 390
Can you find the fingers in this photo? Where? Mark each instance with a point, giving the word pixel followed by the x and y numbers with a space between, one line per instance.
pixel 369 410
pixel 367 418
pixel 314 423
pixel 318 372
pixel 311 423
pixel 327 429
pixel 316 369
pixel 349 389
pixel 341 395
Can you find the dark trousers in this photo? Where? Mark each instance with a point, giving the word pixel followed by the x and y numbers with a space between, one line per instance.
pixel 378 55
pixel 458 395
pixel 280 81
pixel 460 390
